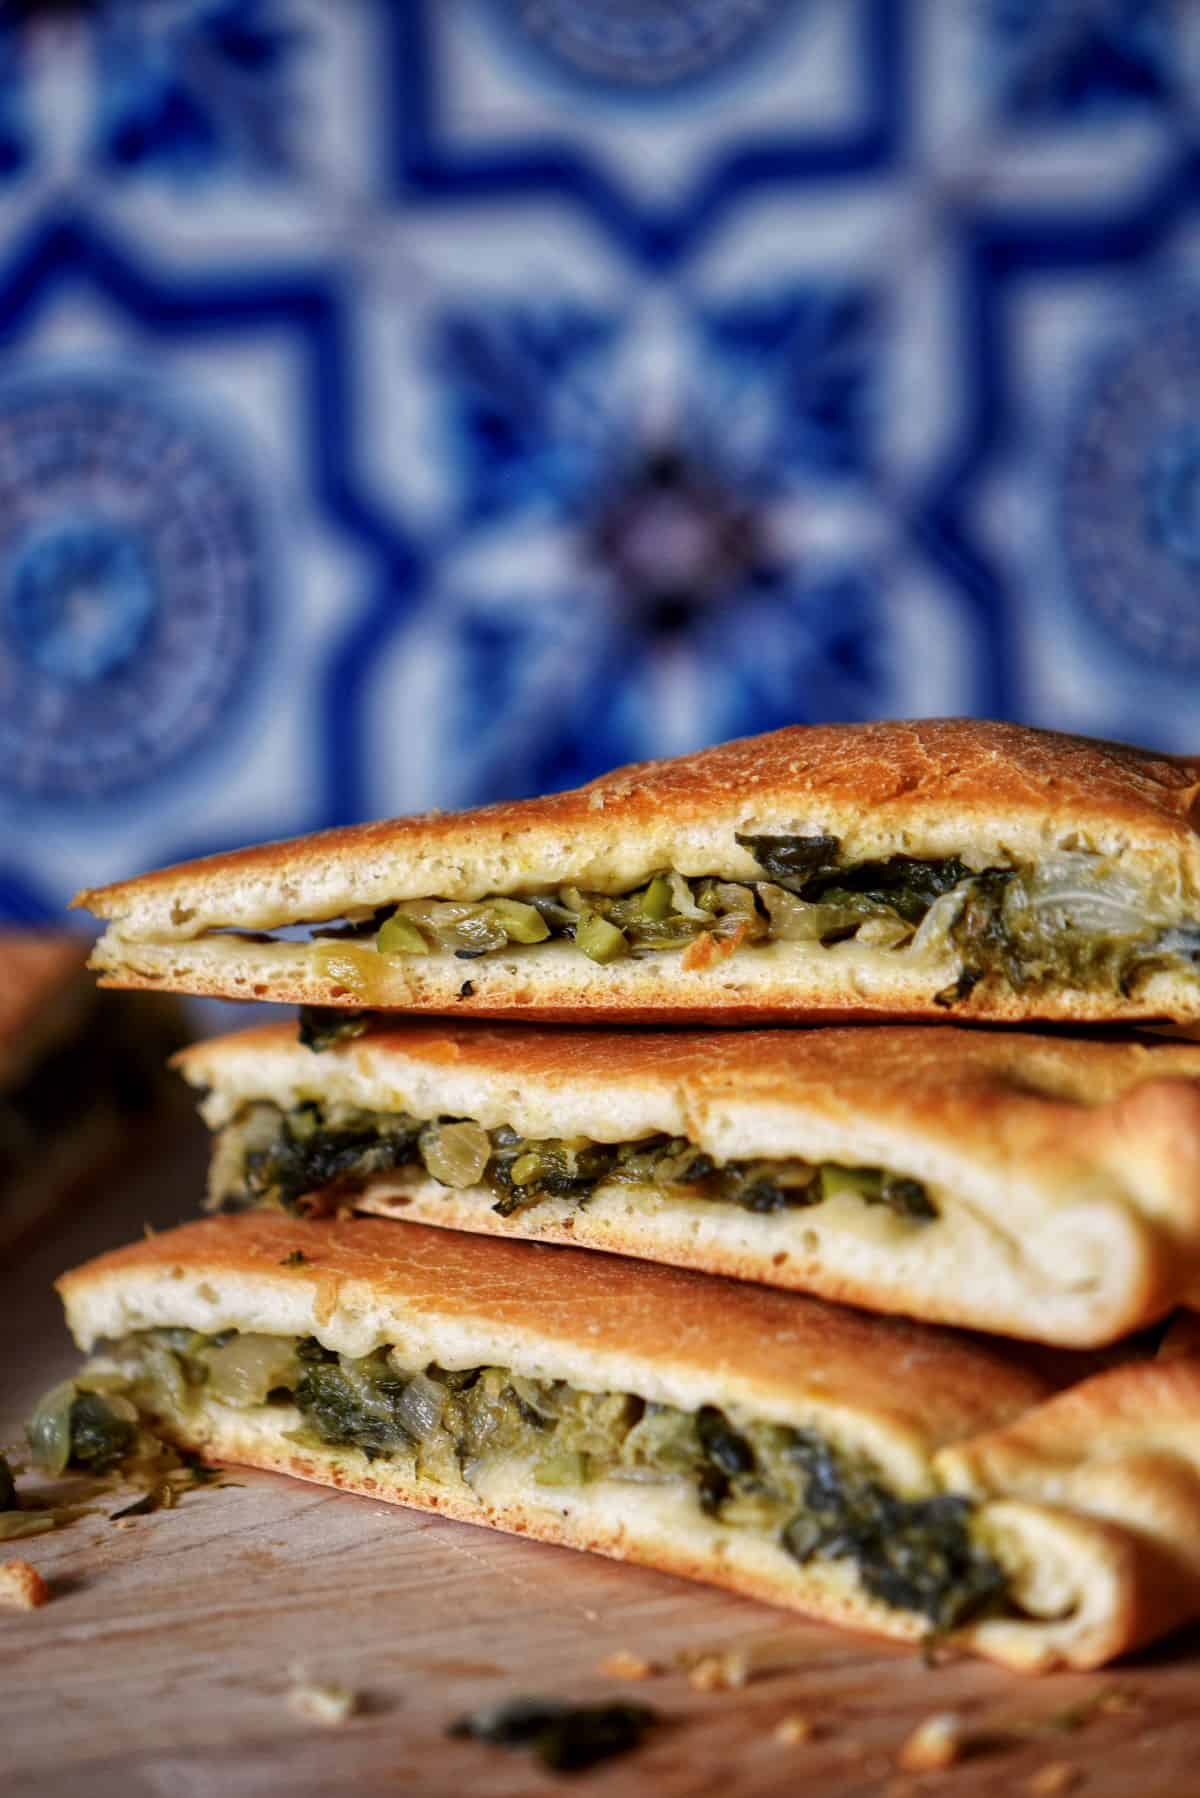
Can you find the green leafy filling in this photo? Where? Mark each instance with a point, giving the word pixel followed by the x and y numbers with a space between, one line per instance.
pixel 792 1485
pixel 1072 924
pixel 1077 920
pixel 308 1160
pixel 82 1425
pixel 671 911
pixel 916 1554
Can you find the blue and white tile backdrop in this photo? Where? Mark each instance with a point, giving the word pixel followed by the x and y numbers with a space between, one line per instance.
pixel 410 402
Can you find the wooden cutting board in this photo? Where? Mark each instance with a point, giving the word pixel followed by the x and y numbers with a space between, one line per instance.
pixel 163 1663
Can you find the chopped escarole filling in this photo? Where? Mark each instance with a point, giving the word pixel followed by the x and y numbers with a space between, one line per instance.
pixel 920 1554
pixel 1076 920
pixel 312 1158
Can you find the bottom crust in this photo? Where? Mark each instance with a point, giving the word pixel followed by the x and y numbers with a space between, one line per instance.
pixel 656 1527
pixel 1103 1588
pixel 776 982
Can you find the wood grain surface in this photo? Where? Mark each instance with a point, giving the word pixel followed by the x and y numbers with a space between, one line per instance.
pixel 162 1664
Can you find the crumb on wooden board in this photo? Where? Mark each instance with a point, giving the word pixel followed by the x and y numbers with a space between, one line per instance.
pixel 938 1741
pixel 321 1701
pixel 1053 1780
pixel 624 1663
pixel 794 1730
pixel 22 1587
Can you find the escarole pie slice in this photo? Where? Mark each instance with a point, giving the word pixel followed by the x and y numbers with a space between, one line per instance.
pixel 1038 1186
pixel 880 1474
pixel 920 869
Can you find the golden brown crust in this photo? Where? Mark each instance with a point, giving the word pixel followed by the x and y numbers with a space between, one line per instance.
pixel 1121 1453
pixel 1082 1442
pixel 1066 1171
pixel 935 788
pixel 925 1385
pixel 907 781
pixel 941 1071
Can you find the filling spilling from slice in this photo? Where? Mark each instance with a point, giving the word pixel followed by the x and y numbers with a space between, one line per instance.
pixel 920 1553
pixel 313 1159
pixel 1077 920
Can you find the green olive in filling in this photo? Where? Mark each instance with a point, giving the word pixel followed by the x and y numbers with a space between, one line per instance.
pixel 270 1157
pixel 1077 920
pixel 819 1504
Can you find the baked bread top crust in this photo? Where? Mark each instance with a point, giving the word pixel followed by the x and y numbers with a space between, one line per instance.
pixel 554 1082
pixel 927 788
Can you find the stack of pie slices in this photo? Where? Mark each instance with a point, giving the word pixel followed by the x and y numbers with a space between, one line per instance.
pixel 769 1165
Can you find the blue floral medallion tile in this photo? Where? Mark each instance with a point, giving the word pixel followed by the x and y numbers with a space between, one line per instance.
pixel 642 45
pixel 182 549
pixel 1128 505
pixel 134 577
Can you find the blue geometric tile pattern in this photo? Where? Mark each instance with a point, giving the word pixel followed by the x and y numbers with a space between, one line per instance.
pixel 406 403
pixel 182 90
pixel 165 87
pixel 433 165
pixel 675 575
pixel 1058 60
